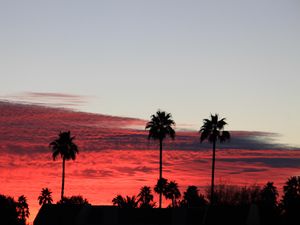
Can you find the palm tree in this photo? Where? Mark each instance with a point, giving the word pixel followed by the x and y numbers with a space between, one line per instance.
pixel 161 187
pixel 127 202
pixel 160 126
pixel 67 149
pixel 172 192
pixel 45 197
pixel 22 209
pixel 213 130
pixel 145 197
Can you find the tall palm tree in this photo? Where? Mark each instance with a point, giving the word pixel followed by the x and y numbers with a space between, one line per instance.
pixel 160 126
pixel 67 149
pixel 213 131
pixel 45 197
pixel 172 192
pixel 145 197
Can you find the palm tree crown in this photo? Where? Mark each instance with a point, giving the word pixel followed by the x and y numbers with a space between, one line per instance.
pixel 125 202
pixel 172 192
pixel 145 197
pixel 45 197
pixel 64 146
pixel 213 130
pixel 160 126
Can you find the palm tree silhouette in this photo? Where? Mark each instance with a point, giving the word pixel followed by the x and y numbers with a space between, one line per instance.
pixel 160 126
pixel 45 197
pixel 145 197
pixel 127 202
pixel 172 192
pixel 161 187
pixel 213 130
pixel 22 209
pixel 67 149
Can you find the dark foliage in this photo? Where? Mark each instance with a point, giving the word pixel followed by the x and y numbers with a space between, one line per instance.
pixel 192 198
pixel 290 202
pixel 145 198
pixel 125 202
pixel 74 200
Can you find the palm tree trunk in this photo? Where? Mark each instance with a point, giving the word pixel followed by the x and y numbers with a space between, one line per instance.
pixel 160 169
pixel 63 179
pixel 213 174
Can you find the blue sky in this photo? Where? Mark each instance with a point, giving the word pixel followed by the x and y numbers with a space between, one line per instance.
pixel 129 58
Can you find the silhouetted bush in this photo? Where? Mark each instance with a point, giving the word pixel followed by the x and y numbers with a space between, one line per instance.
pixel 290 203
pixel 192 198
pixel 12 212
pixel 8 211
pixel 75 200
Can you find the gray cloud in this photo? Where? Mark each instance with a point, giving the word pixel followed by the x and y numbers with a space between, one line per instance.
pixel 28 129
pixel 275 162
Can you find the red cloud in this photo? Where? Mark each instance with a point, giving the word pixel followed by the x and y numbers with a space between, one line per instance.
pixel 115 159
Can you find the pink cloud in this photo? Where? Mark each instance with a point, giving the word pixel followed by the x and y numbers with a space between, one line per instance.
pixel 115 159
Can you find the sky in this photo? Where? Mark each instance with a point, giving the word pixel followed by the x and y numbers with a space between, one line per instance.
pixel 130 58
pixel 114 63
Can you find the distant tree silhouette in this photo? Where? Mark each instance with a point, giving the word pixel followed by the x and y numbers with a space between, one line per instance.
pixel 192 198
pixel 232 195
pixel 268 205
pixel 145 198
pixel 161 187
pixel 8 211
pixel 213 130
pixel 290 202
pixel 268 196
pixel 67 149
pixel 45 197
pixel 22 209
pixel 172 192
pixel 75 199
pixel 127 202
pixel 160 126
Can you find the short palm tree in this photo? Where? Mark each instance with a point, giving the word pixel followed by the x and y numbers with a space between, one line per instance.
pixel 161 187
pixel 160 126
pixel 67 149
pixel 45 197
pixel 127 202
pixel 172 192
pixel 145 197
pixel 213 131
pixel 22 209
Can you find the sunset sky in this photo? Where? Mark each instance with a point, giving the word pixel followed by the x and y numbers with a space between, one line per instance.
pixel 109 65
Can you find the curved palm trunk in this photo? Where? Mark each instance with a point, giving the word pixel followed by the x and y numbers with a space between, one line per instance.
pixel 213 174
pixel 63 178
pixel 160 168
